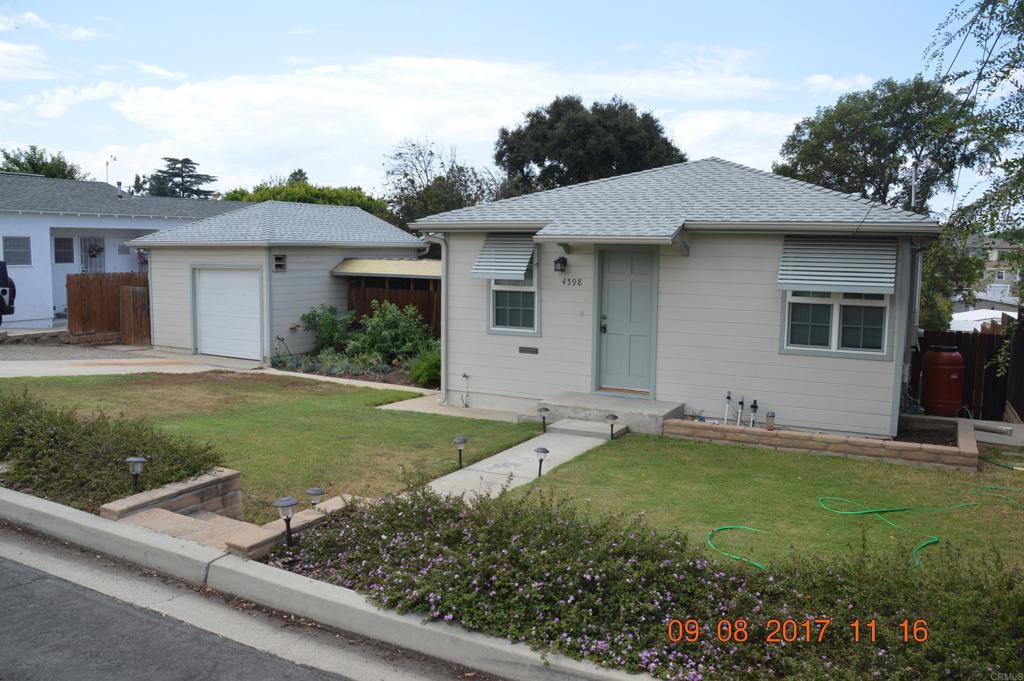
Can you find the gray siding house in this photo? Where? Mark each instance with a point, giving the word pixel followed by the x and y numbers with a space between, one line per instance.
pixel 677 285
pixel 237 284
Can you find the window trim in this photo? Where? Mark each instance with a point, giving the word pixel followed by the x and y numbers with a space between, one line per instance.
pixel 837 300
pixel 492 287
pixel 74 255
pixel 3 249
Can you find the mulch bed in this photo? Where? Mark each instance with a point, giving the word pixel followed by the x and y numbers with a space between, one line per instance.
pixel 946 438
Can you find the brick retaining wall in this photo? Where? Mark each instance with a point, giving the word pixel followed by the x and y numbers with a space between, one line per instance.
pixel 962 457
pixel 219 491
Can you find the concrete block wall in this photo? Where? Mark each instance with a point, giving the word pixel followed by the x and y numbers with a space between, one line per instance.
pixel 219 491
pixel 962 457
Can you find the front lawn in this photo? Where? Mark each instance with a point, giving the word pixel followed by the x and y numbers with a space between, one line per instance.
pixel 287 434
pixel 695 487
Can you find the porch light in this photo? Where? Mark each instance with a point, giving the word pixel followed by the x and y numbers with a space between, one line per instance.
pixel 543 413
pixel 560 263
pixel 460 444
pixel 611 419
pixel 286 508
pixel 542 454
pixel 135 464
pixel 315 494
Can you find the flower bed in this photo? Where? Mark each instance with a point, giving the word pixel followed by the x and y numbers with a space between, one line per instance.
pixel 536 569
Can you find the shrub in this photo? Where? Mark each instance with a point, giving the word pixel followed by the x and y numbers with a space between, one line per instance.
pixel 78 460
pixel 425 371
pixel 330 328
pixel 390 332
pixel 534 568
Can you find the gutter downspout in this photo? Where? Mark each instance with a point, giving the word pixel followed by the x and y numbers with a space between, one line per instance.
pixel 442 240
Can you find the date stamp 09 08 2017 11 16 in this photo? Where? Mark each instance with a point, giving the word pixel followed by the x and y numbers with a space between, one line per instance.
pixel 785 631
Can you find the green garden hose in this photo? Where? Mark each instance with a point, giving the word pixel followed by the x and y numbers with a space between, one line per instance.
pixel 998 463
pixel 1008 499
pixel 715 531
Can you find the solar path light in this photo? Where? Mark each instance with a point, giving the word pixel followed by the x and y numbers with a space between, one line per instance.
pixel 460 444
pixel 286 508
pixel 135 464
pixel 542 454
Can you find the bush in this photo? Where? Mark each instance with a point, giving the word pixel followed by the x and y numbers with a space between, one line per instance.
pixel 79 460
pixel 426 369
pixel 534 568
pixel 390 332
pixel 330 328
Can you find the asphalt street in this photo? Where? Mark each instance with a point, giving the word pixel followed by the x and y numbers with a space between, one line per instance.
pixel 54 630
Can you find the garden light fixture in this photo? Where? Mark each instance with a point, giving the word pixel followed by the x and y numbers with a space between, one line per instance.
pixel 315 494
pixel 611 419
pixel 286 508
pixel 135 464
pixel 543 413
pixel 541 455
pixel 560 263
pixel 460 444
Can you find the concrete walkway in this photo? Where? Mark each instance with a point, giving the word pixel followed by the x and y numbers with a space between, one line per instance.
pixel 516 466
pixel 429 404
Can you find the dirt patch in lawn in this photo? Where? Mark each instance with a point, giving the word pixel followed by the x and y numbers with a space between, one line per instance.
pixel 233 379
pixel 394 377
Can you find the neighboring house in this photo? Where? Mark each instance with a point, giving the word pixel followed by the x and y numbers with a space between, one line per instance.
pixel 997 289
pixel 52 228
pixel 679 284
pixel 977 320
pixel 237 284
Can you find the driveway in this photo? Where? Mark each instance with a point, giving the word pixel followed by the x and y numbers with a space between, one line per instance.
pixel 77 360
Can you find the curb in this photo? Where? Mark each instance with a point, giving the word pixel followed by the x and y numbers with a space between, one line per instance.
pixel 330 605
pixel 353 382
pixel 179 558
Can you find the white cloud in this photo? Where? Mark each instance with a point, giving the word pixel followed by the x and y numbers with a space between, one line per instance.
pixel 56 102
pixel 80 33
pixel 749 137
pixel 823 82
pixel 10 22
pixel 23 62
pixel 158 71
pixel 302 31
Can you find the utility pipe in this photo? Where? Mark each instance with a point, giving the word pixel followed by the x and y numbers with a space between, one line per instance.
pixel 728 405
pixel 442 240
pixel 739 411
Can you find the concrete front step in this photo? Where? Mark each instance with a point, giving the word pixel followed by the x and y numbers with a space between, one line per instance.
pixel 588 428
pixel 640 415
pixel 207 532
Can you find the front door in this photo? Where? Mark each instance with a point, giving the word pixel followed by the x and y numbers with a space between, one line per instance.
pixel 626 323
pixel 93 257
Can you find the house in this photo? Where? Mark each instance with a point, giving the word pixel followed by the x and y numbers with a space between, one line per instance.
pixel 980 320
pixel 237 284
pixel 998 286
pixel 669 288
pixel 51 228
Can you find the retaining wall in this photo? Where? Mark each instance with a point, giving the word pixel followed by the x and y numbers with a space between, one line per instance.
pixel 219 491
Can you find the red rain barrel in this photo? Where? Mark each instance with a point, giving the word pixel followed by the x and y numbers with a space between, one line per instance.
pixel 942 380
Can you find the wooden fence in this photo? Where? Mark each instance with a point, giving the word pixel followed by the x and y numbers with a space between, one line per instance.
pixel 94 300
pixel 425 294
pixel 984 390
pixel 135 315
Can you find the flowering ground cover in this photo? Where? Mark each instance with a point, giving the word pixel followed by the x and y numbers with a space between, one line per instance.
pixel 537 569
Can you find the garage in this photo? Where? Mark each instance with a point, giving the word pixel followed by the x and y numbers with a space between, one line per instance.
pixel 228 319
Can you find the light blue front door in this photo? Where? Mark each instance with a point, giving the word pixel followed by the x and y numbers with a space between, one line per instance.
pixel 626 323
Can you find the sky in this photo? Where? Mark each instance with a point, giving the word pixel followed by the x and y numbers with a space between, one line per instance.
pixel 252 91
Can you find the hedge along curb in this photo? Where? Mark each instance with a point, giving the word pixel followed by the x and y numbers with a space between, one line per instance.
pixel 159 552
pixel 348 610
pixel 330 605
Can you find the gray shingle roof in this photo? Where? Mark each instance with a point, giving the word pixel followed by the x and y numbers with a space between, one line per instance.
pixel 655 203
pixel 280 222
pixel 32 193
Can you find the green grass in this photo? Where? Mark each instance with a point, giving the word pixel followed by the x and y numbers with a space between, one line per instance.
pixel 695 487
pixel 288 434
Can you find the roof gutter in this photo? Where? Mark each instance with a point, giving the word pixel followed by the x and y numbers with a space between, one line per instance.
pixel 924 227
pixel 442 240
pixel 80 214
pixel 515 226
pixel 142 243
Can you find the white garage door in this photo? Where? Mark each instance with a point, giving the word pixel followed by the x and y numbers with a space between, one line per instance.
pixel 228 312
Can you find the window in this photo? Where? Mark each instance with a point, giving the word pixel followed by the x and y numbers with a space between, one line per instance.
pixel 123 249
pixel 17 250
pixel 63 250
pixel 1000 275
pixel 514 303
pixel 280 263
pixel 854 322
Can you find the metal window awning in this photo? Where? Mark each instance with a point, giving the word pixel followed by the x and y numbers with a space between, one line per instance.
pixel 838 264
pixel 504 256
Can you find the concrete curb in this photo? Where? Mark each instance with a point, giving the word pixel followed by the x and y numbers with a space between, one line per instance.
pixel 354 382
pixel 175 557
pixel 347 610
pixel 279 589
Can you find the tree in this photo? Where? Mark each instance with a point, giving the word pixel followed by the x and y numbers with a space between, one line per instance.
pixel 308 193
pixel 869 142
pixel 179 177
pixel 423 179
pixel 298 176
pixel 36 160
pixel 139 185
pixel 565 143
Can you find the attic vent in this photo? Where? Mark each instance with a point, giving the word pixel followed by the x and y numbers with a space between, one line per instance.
pixel 841 264
pixel 280 263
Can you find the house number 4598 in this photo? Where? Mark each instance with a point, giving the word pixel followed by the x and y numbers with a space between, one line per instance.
pixel 571 281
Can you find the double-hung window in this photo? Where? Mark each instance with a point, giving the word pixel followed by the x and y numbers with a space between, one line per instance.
pixel 17 250
pixel 508 262
pixel 514 303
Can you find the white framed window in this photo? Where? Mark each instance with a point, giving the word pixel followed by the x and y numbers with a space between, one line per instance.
pixel 1000 275
pixel 17 250
pixel 124 249
pixel 63 250
pixel 514 303
pixel 842 322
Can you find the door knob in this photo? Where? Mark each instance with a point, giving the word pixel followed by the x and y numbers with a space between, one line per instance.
pixel 604 328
